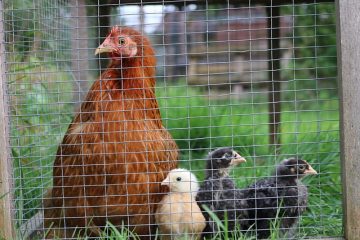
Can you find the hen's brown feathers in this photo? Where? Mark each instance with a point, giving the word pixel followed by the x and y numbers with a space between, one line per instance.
pixel 116 151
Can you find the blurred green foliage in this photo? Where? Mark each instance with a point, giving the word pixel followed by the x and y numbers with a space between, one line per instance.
pixel 314 38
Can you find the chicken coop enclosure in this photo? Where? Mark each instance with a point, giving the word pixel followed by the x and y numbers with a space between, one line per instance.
pixel 269 79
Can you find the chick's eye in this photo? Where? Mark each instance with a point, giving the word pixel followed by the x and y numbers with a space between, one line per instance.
pixel 178 179
pixel 226 155
pixel 301 167
pixel 122 41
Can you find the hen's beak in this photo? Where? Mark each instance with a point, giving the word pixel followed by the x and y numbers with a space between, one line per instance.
pixel 106 46
pixel 310 171
pixel 237 159
pixel 102 50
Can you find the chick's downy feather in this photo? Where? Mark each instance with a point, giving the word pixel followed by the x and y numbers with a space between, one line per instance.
pixel 116 151
pixel 219 193
pixel 178 216
pixel 281 196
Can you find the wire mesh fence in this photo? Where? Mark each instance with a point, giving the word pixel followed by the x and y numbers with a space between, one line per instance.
pixel 97 157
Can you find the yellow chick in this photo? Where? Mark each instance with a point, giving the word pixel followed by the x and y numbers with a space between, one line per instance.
pixel 178 216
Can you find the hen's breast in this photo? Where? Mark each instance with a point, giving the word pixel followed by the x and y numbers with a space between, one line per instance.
pixel 113 157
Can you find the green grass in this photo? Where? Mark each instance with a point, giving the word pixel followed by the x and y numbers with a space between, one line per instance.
pixel 113 233
pixel 309 128
pixel 40 114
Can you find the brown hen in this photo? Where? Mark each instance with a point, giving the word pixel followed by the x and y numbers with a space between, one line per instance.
pixel 116 152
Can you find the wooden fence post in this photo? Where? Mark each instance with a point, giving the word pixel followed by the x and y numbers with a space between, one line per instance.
pixel 6 227
pixel 80 49
pixel 274 75
pixel 348 45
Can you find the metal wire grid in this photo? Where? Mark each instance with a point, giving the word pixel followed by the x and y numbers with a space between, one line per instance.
pixel 212 83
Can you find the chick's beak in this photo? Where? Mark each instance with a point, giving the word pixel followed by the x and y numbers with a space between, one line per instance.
pixel 310 171
pixel 165 182
pixel 237 159
pixel 106 46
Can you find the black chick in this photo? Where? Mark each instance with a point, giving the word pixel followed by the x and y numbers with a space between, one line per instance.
pixel 280 196
pixel 218 191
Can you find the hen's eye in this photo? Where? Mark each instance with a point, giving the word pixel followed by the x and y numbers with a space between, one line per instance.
pixel 122 41
pixel 178 179
pixel 301 167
